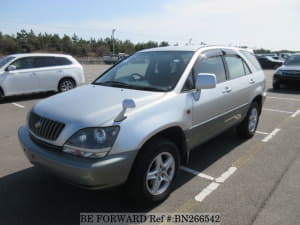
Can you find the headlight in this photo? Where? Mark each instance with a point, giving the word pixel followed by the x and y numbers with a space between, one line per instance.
pixel 279 72
pixel 92 142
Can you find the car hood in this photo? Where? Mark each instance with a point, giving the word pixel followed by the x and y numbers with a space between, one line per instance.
pixel 92 105
pixel 291 67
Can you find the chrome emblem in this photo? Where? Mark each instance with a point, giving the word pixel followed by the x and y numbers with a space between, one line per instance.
pixel 38 124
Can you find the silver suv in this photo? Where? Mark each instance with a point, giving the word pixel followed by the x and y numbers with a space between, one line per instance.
pixel 137 123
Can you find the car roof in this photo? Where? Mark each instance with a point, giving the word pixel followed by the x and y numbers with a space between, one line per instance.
pixel 194 48
pixel 39 54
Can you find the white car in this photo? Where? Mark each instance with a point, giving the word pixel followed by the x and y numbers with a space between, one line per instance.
pixel 30 73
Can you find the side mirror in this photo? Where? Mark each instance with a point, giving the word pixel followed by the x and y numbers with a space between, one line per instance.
pixel 127 103
pixel 11 68
pixel 206 81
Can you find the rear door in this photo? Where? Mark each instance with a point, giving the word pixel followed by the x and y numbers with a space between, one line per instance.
pixel 241 84
pixel 48 73
pixel 22 80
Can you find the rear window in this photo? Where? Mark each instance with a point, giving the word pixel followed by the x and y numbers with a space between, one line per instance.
pixel 236 66
pixel 43 62
pixel 252 59
pixel 51 61
pixel 61 61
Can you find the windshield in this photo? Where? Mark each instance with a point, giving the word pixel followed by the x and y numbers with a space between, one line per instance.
pixel 5 60
pixel 293 60
pixel 153 71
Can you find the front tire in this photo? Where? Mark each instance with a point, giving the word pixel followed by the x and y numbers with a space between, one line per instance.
pixel 66 84
pixel 276 85
pixel 248 127
pixel 154 173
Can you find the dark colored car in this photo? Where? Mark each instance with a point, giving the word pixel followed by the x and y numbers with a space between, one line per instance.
pixel 269 62
pixel 288 73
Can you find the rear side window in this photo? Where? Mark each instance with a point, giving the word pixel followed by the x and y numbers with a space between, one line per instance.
pixel 236 66
pixel 61 61
pixel 252 59
pixel 24 63
pixel 213 65
pixel 43 62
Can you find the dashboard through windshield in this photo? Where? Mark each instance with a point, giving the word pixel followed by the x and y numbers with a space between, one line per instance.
pixel 153 71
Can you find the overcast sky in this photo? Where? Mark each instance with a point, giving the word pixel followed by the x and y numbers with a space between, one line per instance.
pixel 273 24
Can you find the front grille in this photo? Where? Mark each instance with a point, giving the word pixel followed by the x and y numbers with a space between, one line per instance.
pixel 291 72
pixel 44 128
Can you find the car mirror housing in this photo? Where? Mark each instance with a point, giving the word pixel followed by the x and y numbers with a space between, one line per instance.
pixel 11 68
pixel 127 104
pixel 206 81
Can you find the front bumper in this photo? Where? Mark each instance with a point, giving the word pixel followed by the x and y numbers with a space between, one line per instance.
pixel 87 173
pixel 286 78
pixel 264 97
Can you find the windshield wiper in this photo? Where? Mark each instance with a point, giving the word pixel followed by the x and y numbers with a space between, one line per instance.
pixel 113 84
pixel 151 88
pixel 130 86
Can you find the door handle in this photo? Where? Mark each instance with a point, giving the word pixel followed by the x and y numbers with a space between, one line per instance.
pixel 227 90
pixel 252 81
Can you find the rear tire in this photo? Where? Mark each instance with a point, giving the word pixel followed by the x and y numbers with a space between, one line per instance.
pixel 248 127
pixel 66 84
pixel 154 172
pixel 1 95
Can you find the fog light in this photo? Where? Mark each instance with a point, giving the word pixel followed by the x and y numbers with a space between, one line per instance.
pixel 85 154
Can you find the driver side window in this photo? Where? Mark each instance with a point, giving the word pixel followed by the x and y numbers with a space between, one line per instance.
pixel 24 63
pixel 212 65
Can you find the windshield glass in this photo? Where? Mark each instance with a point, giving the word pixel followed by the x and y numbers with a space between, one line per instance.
pixel 153 71
pixel 293 60
pixel 5 60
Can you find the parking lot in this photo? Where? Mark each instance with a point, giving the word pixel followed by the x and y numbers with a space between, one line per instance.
pixel 255 181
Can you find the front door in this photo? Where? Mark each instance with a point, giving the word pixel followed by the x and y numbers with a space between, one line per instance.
pixel 23 79
pixel 210 106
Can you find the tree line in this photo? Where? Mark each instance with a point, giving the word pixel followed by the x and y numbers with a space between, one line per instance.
pixel 27 41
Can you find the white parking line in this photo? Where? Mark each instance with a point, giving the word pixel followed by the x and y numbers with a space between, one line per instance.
pixel 206 191
pixel 276 110
pixel 271 135
pixel 291 99
pixel 295 113
pixel 18 105
pixel 196 173
pixel 261 132
pixel 226 174
pixel 214 185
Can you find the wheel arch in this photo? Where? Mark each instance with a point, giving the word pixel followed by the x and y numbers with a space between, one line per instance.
pixel 64 78
pixel 259 100
pixel 1 91
pixel 177 136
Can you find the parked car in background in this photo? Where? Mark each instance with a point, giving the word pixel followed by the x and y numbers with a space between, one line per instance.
pixel 30 73
pixel 159 104
pixel 284 55
pixel 288 73
pixel 269 62
pixel 113 59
